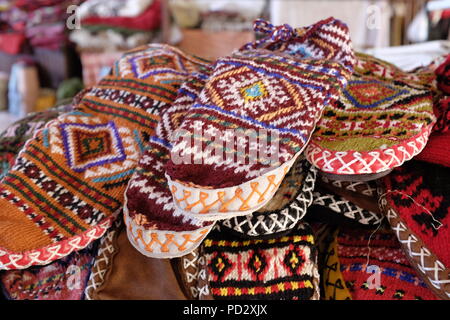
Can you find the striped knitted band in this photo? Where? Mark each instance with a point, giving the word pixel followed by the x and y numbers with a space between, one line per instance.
pixel 283 268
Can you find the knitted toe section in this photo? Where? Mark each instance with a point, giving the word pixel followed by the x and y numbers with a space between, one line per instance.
pixel 256 112
pixel 383 118
pixel 283 268
pixel 67 185
pixel 150 209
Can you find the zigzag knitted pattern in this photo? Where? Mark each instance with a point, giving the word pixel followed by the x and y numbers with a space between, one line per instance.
pixel 283 268
pixel 383 118
pixel 68 183
pixel 264 90
pixel 154 225
pixel 398 279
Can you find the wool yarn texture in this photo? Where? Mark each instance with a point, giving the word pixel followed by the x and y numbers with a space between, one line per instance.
pixel 383 118
pixel 63 279
pixel 272 96
pixel 155 226
pixel 14 137
pixel 67 185
pixel 416 203
pixel 283 268
pixel 284 211
pixel 397 279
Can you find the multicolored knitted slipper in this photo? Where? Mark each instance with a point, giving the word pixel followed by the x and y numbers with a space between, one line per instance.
pixel 14 137
pixel 329 207
pixel 372 267
pixel 67 185
pixel 253 118
pixel 383 118
pixel 416 202
pixel 155 226
pixel 285 209
pixel 63 279
pixel 281 268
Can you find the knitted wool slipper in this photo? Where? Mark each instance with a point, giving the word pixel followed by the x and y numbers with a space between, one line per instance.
pixel 67 185
pixel 382 119
pixel 13 138
pixel 331 208
pixel 416 202
pixel 154 224
pixel 281 268
pixel 253 119
pixel 285 209
pixel 355 265
pixel 63 279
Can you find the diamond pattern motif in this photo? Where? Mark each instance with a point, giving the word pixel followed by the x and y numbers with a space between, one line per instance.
pixel 88 146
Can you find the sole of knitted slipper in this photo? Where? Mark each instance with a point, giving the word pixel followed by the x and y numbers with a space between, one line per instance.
pixel 356 177
pixel 218 204
pixel 366 162
pixel 163 244
pixel 22 260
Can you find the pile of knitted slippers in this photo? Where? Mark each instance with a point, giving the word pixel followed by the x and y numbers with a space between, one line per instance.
pixel 276 172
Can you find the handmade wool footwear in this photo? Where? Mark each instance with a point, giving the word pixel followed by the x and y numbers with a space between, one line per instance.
pixel 155 226
pixel 253 118
pixel 382 119
pixel 361 266
pixel 415 199
pixel 67 185
pixel 283 268
pixel 284 211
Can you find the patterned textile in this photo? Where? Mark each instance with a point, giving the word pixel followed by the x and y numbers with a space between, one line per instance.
pixel 417 204
pixel 285 209
pixel 364 188
pixel 67 185
pixel 13 138
pixel 333 282
pixel 329 207
pixel 269 95
pixel 281 268
pixel 64 279
pixel 398 279
pixel 382 119
pixel 188 269
pixel 155 226
pixel 103 259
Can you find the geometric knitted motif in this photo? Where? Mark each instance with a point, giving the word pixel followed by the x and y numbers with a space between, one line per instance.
pixel 13 138
pixel 283 268
pixel 67 185
pixel 271 92
pixel 63 279
pixel 378 122
pixel 398 279
pixel 155 226
pixel 285 209
pixel 416 202
pixel 364 188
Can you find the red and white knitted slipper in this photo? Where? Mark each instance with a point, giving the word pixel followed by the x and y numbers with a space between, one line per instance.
pixel 254 117
pixel 155 226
